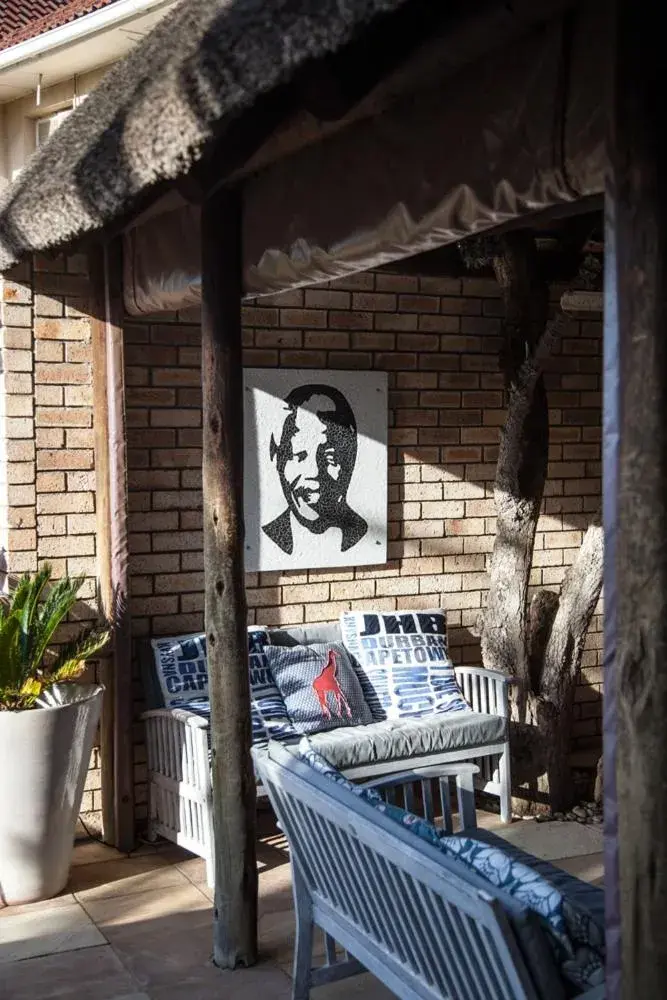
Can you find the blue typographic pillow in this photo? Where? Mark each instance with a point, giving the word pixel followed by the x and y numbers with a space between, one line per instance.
pixel 181 668
pixel 403 655
pixel 270 719
pixel 319 686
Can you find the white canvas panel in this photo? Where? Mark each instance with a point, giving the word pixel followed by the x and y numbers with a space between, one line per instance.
pixel 315 481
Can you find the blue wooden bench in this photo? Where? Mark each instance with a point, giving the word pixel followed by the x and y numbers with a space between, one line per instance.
pixel 420 921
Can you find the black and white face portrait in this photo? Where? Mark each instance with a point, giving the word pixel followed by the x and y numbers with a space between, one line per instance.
pixel 309 457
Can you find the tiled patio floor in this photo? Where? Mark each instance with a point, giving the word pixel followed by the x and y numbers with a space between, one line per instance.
pixel 138 927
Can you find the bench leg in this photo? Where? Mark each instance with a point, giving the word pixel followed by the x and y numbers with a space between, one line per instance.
pixel 210 867
pixel 465 791
pixel 504 775
pixel 303 947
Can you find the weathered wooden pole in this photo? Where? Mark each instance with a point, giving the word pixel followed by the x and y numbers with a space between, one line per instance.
pixel 106 265
pixel 235 928
pixel 638 190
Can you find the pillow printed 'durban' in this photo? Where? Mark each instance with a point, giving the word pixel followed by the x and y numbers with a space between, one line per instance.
pixel 404 657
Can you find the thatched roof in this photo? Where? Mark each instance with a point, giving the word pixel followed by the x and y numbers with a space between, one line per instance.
pixel 155 113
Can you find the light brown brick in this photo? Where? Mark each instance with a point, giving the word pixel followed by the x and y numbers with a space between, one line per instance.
pixel 18 383
pixel 81 524
pixel 21 494
pixel 352 589
pixel 66 503
pixel 62 329
pixel 68 545
pixel 19 427
pixel 303 359
pixel 51 524
pixel 327 298
pixel 50 437
pixel 22 539
pixel 18 338
pixel 16 315
pixel 20 473
pixel 65 459
pixel 21 517
pixel 279 338
pixel 17 361
pixel 403 322
pixel 306 593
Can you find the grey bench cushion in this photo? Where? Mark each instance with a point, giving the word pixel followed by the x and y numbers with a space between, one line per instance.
pixel 304 635
pixel 402 739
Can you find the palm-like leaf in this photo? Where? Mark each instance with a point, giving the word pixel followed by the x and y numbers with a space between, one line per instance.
pixel 29 619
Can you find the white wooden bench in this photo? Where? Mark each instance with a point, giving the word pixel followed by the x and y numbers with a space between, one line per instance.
pixel 179 776
pixel 419 921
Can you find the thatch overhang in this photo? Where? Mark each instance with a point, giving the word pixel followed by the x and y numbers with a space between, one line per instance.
pixel 157 111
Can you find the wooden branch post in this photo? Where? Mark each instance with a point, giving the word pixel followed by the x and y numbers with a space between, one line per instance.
pixel 638 217
pixel 235 931
pixel 112 543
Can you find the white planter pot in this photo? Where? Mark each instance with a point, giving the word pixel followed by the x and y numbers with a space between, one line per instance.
pixel 44 756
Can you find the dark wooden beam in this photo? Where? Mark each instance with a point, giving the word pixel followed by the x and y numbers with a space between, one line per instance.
pixel 112 542
pixel 235 930
pixel 638 202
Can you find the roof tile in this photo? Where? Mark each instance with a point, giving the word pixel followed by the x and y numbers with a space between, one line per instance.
pixel 24 19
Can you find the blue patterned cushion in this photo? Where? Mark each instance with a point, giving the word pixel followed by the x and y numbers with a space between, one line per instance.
pixel 319 686
pixel 404 657
pixel 181 669
pixel 578 941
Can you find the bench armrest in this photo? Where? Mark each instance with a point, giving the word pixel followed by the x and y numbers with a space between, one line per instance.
pixel 181 715
pixel 485 690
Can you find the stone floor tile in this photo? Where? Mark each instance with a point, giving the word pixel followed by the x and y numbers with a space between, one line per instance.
pixel 56 902
pixel 124 877
pixel 275 889
pixel 142 909
pixel 88 852
pixel 162 938
pixel 91 974
pixel 588 867
pixel 46 931
pixel 554 840
pixel 366 986
pixel 264 981
pixel 194 869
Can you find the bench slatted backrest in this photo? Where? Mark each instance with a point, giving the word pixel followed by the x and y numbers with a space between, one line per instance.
pixel 406 912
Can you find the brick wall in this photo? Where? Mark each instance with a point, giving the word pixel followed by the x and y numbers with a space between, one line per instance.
pixel 438 340
pixel 48 422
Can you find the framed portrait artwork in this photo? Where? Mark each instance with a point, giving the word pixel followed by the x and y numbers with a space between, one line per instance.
pixel 315 481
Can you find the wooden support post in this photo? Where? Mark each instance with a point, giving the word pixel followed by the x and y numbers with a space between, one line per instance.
pixel 112 547
pixel 235 931
pixel 638 195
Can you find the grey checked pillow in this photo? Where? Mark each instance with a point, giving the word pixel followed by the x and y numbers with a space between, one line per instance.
pixel 319 686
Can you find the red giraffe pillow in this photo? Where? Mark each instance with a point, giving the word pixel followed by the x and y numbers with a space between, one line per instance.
pixel 319 686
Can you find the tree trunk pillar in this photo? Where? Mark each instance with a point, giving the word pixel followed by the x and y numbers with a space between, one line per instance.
pixel 638 197
pixel 235 927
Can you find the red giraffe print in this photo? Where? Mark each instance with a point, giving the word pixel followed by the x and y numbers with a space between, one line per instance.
pixel 327 683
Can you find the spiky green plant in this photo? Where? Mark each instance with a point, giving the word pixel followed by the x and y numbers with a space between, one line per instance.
pixel 29 618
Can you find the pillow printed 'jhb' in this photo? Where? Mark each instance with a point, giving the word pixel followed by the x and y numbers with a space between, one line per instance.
pixel 404 657
pixel 319 686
